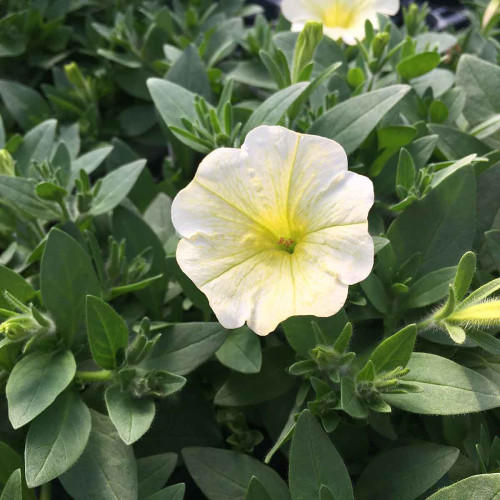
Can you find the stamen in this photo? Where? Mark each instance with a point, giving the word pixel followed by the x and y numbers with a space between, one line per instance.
pixel 286 244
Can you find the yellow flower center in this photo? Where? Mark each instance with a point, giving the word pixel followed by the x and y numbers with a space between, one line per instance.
pixel 286 244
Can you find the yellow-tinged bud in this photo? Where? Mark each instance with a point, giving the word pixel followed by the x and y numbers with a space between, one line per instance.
pixel 6 163
pixel 491 11
pixel 483 314
pixel 18 327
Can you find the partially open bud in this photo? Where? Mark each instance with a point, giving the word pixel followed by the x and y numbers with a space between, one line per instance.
pixel 491 12
pixel 483 314
pixel 6 163
pixel 19 327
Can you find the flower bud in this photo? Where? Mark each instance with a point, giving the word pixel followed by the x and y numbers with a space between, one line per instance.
pixel 6 163
pixel 379 44
pixel 491 12
pixel 306 45
pixel 482 314
pixel 355 77
pixel 19 327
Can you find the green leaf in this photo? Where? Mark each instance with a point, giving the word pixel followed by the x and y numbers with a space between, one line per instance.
pixel 2 133
pixel 300 335
pixel 186 419
pixel 107 332
pixel 174 492
pixel 375 292
pixel 16 285
pixel 482 487
pixel 185 346
pixel 350 401
pixel 223 40
pixel 478 79
pixel 256 490
pixel 91 160
pixel 35 382
pixel 350 122
pixel 117 291
pixel 455 144
pixel 431 288
pixel 56 439
pixel 131 416
pixel 492 239
pixel 13 489
pixel 241 351
pixel 272 380
pixel 20 193
pixel 190 73
pixel 174 102
pixel 272 110
pixel 36 146
pixel 158 216
pixel 396 350
pixel 441 226
pixel 486 341
pixel 25 104
pixel 395 137
pixel 106 470
pixel 448 388
pixel 138 237
pixel 405 473
pixel 116 186
pixel 153 472
pixel 67 276
pixel 224 474
pixel 418 65
pixel 315 461
pixel 488 201
pixel 9 462
pixel 465 274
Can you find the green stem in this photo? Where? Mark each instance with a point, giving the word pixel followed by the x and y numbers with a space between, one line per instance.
pixel 45 491
pixel 95 376
pixel 64 210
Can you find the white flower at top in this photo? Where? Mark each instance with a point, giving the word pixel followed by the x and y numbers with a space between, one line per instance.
pixel 341 18
pixel 275 229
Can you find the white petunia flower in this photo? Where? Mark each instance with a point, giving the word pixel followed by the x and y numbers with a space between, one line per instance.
pixel 275 229
pixel 341 18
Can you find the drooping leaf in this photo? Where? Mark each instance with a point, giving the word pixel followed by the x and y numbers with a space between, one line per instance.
pixel 405 473
pixel 241 351
pixel 272 381
pixel 224 474
pixel 131 416
pixel 106 469
pixel 183 347
pixel 56 439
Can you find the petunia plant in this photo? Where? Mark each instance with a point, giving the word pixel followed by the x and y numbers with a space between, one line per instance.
pixel 249 252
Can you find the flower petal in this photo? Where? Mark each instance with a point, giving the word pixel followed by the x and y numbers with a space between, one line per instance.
pixel 348 250
pixel 344 199
pixel 300 10
pixel 389 7
pixel 263 288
